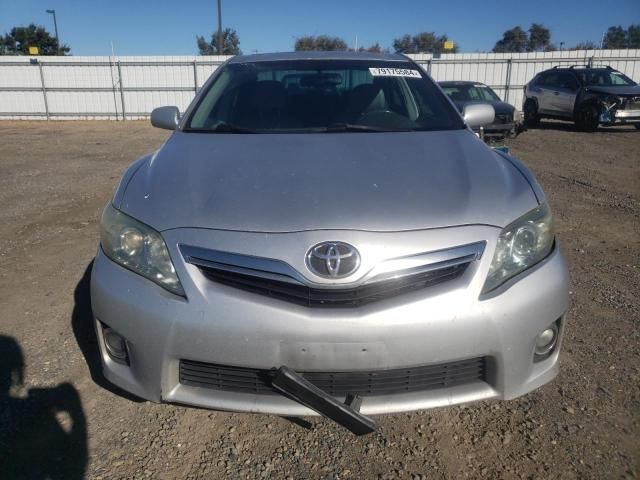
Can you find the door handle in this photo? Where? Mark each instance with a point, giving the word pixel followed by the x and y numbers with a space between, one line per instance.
pixel 556 93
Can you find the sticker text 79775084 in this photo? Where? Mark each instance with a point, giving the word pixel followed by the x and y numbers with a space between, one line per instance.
pixel 394 72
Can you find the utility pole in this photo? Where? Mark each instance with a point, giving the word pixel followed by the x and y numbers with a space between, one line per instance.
pixel 561 45
pixel 219 27
pixel 55 26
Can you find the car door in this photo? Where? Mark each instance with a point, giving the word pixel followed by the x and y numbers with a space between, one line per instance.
pixel 563 95
pixel 543 89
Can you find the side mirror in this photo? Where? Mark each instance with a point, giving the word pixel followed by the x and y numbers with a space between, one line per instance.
pixel 478 115
pixel 165 117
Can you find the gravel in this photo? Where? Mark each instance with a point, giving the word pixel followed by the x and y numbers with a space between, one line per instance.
pixel 55 177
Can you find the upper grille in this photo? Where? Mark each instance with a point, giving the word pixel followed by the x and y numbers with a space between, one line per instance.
pixel 332 297
pixel 364 383
pixel 278 280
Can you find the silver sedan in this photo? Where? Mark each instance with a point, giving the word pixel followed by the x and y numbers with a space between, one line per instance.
pixel 334 214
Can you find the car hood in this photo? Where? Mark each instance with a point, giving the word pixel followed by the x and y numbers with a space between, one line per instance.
pixel 630 90
pixel 498 106
pixel 294 182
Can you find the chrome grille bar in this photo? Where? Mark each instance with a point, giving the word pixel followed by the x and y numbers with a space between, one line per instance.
pixel 278 279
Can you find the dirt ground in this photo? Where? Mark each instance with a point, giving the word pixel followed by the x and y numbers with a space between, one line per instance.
pixel 64 421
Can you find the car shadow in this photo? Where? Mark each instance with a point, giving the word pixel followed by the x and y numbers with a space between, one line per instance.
pixel 84 332
pixel 43 431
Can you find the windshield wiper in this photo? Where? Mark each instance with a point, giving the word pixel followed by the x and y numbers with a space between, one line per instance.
pixel 354 127
pixel 228 128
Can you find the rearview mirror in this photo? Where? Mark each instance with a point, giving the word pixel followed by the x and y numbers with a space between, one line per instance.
pixel 165 117
pixel 478 115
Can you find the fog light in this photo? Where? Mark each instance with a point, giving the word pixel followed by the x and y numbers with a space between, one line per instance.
pixel 546 341
pixel 116 345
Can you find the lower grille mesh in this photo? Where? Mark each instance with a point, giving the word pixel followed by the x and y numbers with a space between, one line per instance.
pixel 364 383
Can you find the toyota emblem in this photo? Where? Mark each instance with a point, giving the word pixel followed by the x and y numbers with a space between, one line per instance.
pixel 333 259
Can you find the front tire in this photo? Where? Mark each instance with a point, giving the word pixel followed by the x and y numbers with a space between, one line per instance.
pixel 587 117
pixel 531 116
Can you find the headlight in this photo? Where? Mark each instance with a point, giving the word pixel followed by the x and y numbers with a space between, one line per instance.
pixel 139 248
pixel 517 116
pixel 521 245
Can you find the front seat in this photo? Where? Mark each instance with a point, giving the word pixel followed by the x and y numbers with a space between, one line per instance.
pixel 364 98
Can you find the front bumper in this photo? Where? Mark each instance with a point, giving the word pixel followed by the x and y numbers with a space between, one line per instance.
pixel 499 129
pixel 620 117
pixel 223 325
pixel 628 116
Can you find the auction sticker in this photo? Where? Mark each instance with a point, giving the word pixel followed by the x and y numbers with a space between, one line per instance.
pixel 394 72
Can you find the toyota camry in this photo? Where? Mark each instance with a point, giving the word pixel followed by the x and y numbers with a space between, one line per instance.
pixel 324 233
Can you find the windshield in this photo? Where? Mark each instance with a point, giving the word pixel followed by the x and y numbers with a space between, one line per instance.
pixel 609 78
pixel 313 96
pixel 471 93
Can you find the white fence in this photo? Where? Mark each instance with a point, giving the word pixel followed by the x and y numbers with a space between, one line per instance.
pixel 130 87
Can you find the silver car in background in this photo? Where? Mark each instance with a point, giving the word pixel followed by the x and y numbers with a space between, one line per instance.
pixel 334 214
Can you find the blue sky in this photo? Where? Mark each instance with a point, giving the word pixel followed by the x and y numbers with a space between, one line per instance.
pixel 165 27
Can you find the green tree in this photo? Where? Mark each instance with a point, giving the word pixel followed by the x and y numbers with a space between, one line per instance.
pixel 375 48
pixel 403 44
pixel 514 40
pixel 616 37
pixel 230 43
pixel 633 36
pixel 319 43
pixel 423 42
pixel 588 45
pixel 539 38
pixel 19 39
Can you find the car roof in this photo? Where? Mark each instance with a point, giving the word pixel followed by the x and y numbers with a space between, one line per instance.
pixel 283 56
pixel 453 83
pixel 580 69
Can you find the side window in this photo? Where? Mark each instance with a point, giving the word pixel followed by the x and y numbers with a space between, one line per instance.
pixel 551 80
pixel 396 98
pixel 212 102
pixel 617 79
pixel 474 93
pixel 567 81
pixel 541 79
pixel 486 94
pixel 265 76
pixel 359 77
